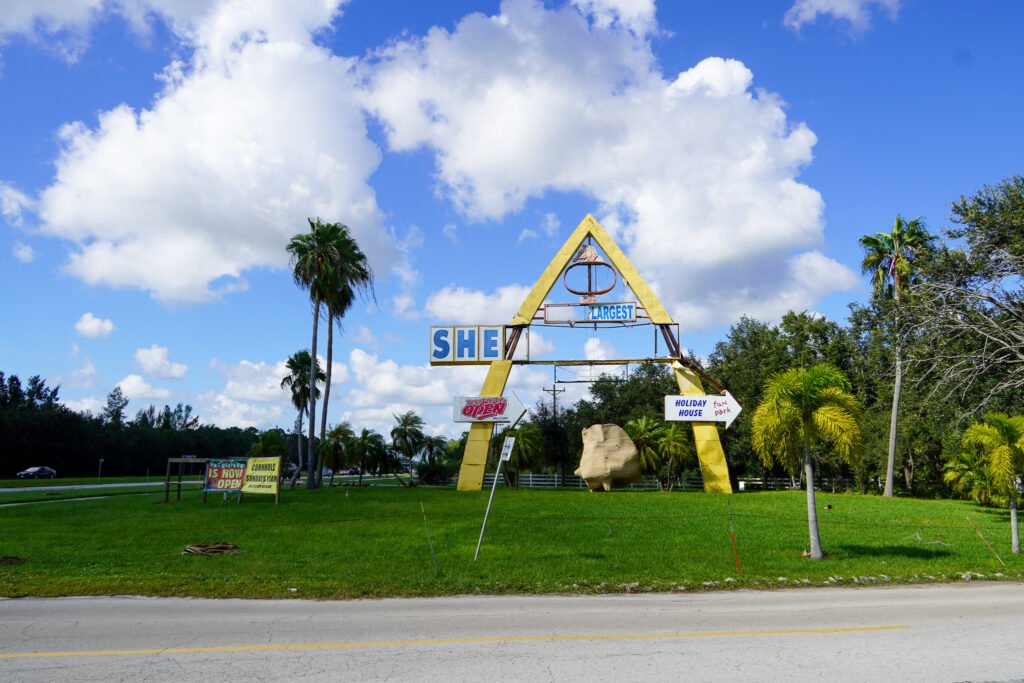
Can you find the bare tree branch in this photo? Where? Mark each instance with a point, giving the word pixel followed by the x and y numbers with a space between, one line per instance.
pixel 969 329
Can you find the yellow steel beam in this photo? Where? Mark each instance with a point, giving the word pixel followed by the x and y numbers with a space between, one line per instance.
pixel 713 467
pixel 474 459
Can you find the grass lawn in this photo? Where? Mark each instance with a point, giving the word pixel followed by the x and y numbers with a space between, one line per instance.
pixel 350 542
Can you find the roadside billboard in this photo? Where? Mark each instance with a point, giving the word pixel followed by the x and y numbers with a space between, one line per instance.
pixel 224 476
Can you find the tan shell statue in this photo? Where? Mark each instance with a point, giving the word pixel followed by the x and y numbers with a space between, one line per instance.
pixel 609 458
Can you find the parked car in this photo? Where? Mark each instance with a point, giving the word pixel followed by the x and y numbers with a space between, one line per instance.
pixel 351 470
pixel 327 471
pixel 37 473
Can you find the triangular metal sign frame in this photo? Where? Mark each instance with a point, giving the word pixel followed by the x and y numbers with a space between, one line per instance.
pixel 709 447
pixel 589 227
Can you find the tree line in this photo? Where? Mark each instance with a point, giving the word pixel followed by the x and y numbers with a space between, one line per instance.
pixel 37 429
pixel 940 340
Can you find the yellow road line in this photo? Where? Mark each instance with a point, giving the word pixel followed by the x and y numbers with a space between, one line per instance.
pixel 446 641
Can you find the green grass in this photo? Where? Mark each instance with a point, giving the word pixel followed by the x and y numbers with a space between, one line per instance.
pixel 370 542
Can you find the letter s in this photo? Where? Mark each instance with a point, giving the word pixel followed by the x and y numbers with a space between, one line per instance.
pixel 441 345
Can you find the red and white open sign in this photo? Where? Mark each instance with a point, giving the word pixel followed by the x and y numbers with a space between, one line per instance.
pixel 486 408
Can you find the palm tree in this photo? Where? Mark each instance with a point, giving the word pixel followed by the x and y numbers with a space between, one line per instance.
pixel 432 469
pixel 435 448
pixel 336 447
pixel 369 447
pixel 527 450
pixel 889 258
pixel 269 443
pixel 352 273
pixel 314 259
pixel 407 436
pixel 967 474
pixel 1001 439
pixel 800 408
pixel 297 381
pixel 673 444
pixel 645 433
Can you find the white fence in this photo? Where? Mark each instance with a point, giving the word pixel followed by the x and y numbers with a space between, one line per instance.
pixel 531 480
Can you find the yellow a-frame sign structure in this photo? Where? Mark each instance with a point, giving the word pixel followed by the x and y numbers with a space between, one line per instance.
pixel 709 447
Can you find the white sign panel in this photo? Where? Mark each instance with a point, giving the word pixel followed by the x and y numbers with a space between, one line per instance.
pixel 506 448
pixel 467 344
pixel 616 312
pixel 713 408
pixel 611 313
pixel 486 409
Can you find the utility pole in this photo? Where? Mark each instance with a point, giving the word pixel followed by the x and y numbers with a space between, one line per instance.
pixel 554 391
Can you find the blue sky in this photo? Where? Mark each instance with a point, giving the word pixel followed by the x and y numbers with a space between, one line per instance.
pixel 158 154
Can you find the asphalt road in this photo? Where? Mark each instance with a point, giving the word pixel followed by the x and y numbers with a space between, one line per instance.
pixel 79 487
pixel 963 632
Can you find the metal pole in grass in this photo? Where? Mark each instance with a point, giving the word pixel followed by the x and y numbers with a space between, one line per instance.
pixel 433 555
pixel 975 527
pixel 506 453
pixel 735 552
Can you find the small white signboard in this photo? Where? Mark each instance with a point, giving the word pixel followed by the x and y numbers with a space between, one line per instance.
pixel 506 448
pixel 486 408
pixel 713 408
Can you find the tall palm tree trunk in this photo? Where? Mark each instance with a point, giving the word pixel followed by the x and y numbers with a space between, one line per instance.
pixel 311 472
pixel 327 384
pixel 890 466
pixel 897 389
pixel 812 508
pixel 1013 522
pixel 298 447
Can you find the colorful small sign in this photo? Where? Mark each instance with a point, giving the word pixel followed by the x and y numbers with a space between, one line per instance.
pixel 698 408
pixel 224 476
pixel 262 475
pixel 611 313
pixel 486 408
pixel 506 448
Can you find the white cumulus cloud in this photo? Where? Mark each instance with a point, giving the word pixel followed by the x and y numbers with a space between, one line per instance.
pixel 635 15
pixel 90 404
pixel 227 412
pixel 13 204
pixel 695 174
pixel 134 386
pixel 155 361
pixel 526 234
pixel 383 388
pixel 537 345
pixel 259 126
pixel 84 377
pixel 598 349
pixel 856 12
pixel 460 306
pixel 23 252
pixel 91 327
pixel 248 381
